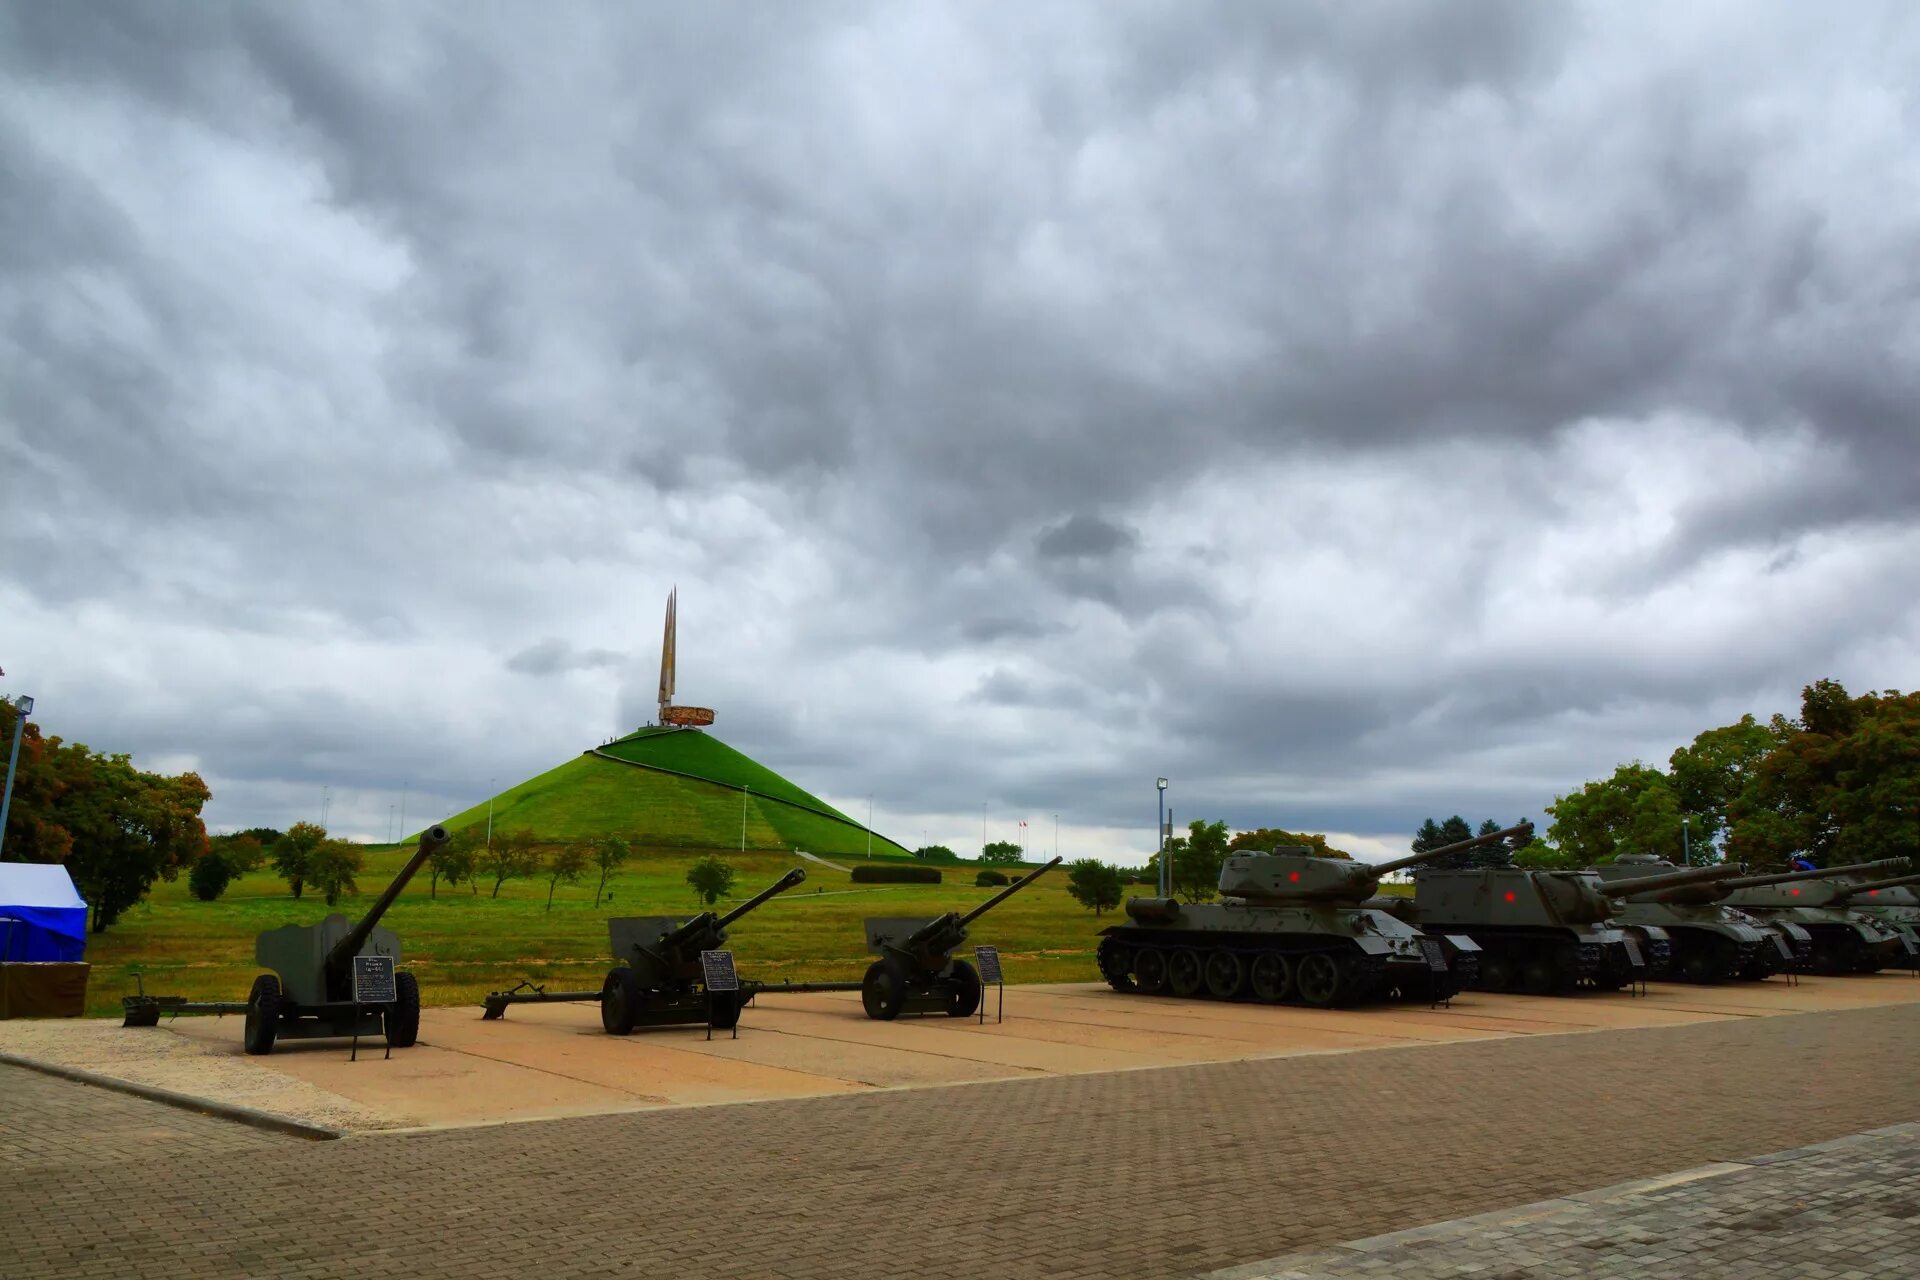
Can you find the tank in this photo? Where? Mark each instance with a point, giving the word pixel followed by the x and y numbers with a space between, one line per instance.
pixel 1844 940
pixel 1895 907
pixel 1711 941
pixel 1548 932
pixel 1290 928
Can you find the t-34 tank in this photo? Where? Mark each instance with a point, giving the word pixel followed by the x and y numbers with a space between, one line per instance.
pixel 1547 932
pixel 1711 941
pixel 1844 940
pixel 1895 907
pixel 1289 928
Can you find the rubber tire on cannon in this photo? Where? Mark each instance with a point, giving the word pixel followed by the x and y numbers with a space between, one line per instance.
pixel 263 1015
pixel 883 991
pixel 401 1019
pixel 620 998
pixel 963 997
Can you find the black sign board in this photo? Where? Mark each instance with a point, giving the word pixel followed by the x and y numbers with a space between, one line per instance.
pixel 1907 942
pixel 373 980
pixel 1633 953
pixel 716 969
pixel 987 960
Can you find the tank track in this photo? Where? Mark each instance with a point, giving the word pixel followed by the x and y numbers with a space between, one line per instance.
pixel 1166 964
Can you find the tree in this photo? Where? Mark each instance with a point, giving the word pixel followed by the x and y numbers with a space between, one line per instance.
pixel 1538 855
pixel 332 866
pixel 210 876
pixel 1267 839
pixel 610 853
pixel 116 828
pixel 453 861
pixel 1713 772
pixel 1000 853
pixel 512 856
pixel 567 864
pixel 1094 885
pixel 711 878
pixel 1196 859
pixel 1634 811
pixel 293 853
pixel 241 851
pixel 936 853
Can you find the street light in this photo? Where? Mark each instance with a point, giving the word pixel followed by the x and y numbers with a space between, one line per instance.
pixel 744 790
pixel 1686 841
pixel 1160 834
pixel 490 782
pixel 23 705
pixel 869 825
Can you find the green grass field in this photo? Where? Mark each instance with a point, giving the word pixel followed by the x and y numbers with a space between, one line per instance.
pixel 462 945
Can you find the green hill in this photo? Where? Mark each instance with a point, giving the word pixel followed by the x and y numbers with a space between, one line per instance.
pixel 675 789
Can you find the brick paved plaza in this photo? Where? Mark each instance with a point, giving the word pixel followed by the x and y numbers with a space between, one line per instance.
pixel 1143 1173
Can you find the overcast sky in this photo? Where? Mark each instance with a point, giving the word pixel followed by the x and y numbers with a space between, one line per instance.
pixel 1352 412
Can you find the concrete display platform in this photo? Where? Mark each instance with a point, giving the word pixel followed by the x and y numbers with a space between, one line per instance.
pixel 547 1061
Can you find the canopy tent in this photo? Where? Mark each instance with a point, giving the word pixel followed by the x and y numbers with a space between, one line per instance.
pixel 42 916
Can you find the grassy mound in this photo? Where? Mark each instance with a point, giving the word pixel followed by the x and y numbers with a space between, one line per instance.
pixel 675 789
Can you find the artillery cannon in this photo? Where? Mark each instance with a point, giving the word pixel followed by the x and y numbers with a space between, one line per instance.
pixel 313 989
pixel 1712 941
pixel 1290 927
pixel 1843 940
pixel 917 971
pixel 1548 932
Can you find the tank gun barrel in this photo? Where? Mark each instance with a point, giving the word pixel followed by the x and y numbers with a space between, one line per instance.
pixel 1870 886
pixel 1676 882
pixel 1818 873
pixel 432 840
pixel 1523 832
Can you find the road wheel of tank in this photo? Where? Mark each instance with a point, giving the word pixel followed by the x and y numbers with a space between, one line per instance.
pixel 1150 970
pixel 1317 977
pixel 1226 972
pixel 1115 959
pixel 620 1002
pixel 401 1019
pixel 1824 960
pixel 883 991
pixel 1270 977
pixel 1496 972
pixel 1539 975
pixel 263 1015
pixel 1185 972
pixel 724 1008
pixel 963 996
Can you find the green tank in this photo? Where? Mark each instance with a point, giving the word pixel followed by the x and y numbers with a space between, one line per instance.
pixel 1896 907
pixel 1289 928
pixel 1549 932
pixel 1844 940
pixel 1710 941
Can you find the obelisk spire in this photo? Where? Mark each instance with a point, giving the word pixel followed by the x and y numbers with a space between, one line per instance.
pixel 666 657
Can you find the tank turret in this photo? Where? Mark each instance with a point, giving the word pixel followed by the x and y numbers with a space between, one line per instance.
pixel 1293 875
pixel 1842 940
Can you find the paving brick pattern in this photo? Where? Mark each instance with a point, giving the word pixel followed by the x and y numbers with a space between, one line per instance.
pixel 1145 1173
pixel 1836 1215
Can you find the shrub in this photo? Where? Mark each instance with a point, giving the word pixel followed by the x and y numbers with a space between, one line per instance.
pixel 896 875
pixel 711 878
pixel 986 878
pixel 210 877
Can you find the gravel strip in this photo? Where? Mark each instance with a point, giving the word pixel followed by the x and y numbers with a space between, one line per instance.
pixel 155 1056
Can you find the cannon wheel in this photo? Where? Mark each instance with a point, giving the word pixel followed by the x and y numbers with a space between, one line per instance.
pixel 1271 977
pixel 401 1021
pixel 263 1015
pixel 1225 972
pixel 883 991
pixel 963 995
pixel 725 1009
pixel 1317 977
pixel 620 1002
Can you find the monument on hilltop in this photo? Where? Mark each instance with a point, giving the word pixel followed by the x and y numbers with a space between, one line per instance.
pixel 684 717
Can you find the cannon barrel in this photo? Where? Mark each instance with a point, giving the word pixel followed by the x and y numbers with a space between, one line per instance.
pixel 1523 832
pixel 1818 873
pixel 783 884
pixel 1692 877
pixel 1848 891
pixel 431 842
pixel 1006 893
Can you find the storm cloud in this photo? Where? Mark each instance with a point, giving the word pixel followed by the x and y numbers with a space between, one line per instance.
pixel 1350 412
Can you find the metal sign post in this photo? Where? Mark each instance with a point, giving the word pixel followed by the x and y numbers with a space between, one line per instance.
pixel 1638 987
pixel 373 983
pixel 987 961
pixel 717 974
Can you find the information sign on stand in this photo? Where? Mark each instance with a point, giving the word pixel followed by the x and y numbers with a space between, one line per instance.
pixel 718 974
pixel 1639 987
pixel 373 983
pixel 987 961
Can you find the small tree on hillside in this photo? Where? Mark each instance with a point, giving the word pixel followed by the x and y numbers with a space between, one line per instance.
pixel 1000 853
pixel 332 866
pixel 453 861
pixel 293 851
pixel 1196 860
pixel 241 852
pixel 610 853
pixel 511 857
pixel 210 876
pixel 567 864
pixel 1094 884
pixel 711 878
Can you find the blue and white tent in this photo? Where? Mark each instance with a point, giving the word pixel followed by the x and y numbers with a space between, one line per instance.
pixel 42 916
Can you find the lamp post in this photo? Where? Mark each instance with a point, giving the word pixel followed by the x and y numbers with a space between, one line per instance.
pixel 490 782
pixel 1686 841
pixel 869 824
pixel 23 707
pixel 744 791
pixel 1160 836
pixel 1056 835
